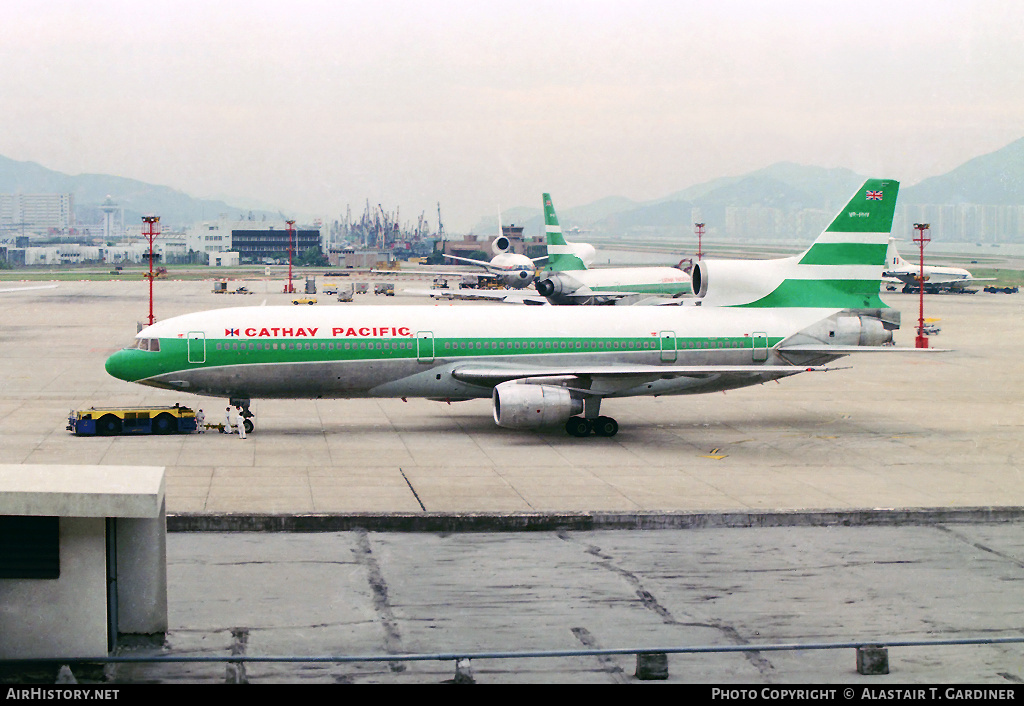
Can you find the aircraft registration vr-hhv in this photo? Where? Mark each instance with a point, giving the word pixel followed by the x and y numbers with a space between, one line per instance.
pixel 749 322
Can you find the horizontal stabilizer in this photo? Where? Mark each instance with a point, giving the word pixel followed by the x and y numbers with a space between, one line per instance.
pixel 844 350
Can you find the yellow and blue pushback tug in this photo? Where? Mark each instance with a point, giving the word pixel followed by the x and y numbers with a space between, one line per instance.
pixel 110 421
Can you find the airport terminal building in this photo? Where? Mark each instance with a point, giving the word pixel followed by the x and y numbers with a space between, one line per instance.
pixel 254 241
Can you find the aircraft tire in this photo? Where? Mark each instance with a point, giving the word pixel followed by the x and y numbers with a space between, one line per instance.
pixel 248 426
pixel 606 426
pixel 578 426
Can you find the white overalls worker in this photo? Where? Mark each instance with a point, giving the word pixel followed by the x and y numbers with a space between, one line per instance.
pixel 200 418
pixel 241 424
pixel 229 427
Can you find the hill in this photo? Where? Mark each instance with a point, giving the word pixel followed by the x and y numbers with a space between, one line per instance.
pixel 90 190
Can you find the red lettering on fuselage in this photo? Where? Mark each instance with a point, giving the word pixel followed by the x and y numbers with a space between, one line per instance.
pixel 365 331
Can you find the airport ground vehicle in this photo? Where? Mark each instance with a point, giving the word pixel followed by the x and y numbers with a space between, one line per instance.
pixel 304 300
pixel 110 421
pixel 385 288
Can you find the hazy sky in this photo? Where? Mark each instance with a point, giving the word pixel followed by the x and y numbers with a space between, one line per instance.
pixel 310 106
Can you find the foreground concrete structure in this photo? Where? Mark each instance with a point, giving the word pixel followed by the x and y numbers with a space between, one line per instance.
pixel 110 545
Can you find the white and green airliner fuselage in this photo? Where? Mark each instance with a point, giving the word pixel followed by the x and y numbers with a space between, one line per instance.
pixel 568 279
pixel 546 365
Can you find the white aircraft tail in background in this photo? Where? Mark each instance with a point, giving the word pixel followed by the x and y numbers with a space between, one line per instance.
pixel 900 273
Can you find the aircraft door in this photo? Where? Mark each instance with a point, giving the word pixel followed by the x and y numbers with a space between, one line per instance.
pixel 425 346
pixel 668 346
pixel 196 347
pixel 760 344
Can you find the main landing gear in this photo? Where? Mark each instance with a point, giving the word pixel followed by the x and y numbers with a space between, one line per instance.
pixel 591 421
pixel 601 426
pixel 246 415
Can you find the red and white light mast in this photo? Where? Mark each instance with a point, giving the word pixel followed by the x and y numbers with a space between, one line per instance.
pixel 921 341
pixel 289 289
pixel 151 222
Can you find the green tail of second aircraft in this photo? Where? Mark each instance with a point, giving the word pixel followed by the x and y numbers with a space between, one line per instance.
pixel 562 256
pixel 842 268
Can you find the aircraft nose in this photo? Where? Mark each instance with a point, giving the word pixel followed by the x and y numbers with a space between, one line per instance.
pixel 117 366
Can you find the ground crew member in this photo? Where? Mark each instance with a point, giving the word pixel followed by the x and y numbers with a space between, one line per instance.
pixel 241 424
pixel 200 418
pixel 228 426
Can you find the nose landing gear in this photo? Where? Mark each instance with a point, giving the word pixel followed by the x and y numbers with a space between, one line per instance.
pixel 245 414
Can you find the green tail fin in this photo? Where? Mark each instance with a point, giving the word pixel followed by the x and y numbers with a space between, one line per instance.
pixel 859 235
pixel 843 267
pixel 560 256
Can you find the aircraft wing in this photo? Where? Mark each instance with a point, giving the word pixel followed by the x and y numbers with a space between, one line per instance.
pixel 634 374
pixel 508 296
pixel 630 297
pixel 434 273
pixel 489 266
pixel 25 289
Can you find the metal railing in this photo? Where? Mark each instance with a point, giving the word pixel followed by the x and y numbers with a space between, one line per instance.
pixel 462 657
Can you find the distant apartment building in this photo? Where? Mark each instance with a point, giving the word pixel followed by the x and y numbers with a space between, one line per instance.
pixel 965 222
pixel 37 211
pixel 753 222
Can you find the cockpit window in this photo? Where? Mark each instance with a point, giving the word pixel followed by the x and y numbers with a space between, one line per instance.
pixel 144 344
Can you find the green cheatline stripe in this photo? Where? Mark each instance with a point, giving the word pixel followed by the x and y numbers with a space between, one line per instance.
pixel 823 294
pixel 845 254
pixel 174 352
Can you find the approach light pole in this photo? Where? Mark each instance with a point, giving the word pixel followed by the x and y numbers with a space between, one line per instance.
pixel 150 222
pixel 700 236
pixel 289 288
pixel 921 341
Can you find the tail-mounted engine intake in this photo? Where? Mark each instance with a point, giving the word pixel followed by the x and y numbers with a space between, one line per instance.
pixel 553 285
pixel 520 405
pixel 501 244
pixel 733 281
